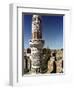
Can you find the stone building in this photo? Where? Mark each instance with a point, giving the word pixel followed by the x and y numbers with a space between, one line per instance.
pixel 59 60
pixel 55 63
pixel 27 60
pixel 38 59
pixel 51 63
pixel 59 68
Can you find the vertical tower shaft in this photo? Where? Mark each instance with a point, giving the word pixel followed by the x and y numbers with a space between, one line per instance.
pixel 36 27
pixel 36 43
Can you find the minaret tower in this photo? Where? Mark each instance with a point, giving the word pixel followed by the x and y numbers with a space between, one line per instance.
pixel 36 44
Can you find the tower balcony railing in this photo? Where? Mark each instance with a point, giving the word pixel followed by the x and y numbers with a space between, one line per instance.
pixel 36 43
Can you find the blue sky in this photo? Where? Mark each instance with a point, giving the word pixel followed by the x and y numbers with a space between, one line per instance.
pixel 52 31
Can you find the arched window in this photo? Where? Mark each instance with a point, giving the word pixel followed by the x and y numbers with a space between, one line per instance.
pixel 28 50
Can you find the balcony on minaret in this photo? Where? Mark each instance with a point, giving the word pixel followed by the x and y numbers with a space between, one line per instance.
pixel 36 43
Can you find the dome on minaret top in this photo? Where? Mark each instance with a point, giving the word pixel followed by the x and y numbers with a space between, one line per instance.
pixel 36 16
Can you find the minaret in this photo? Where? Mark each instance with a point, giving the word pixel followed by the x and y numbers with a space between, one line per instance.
pixel 36 44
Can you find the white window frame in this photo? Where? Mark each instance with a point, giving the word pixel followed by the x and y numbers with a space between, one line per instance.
pixel 16 77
